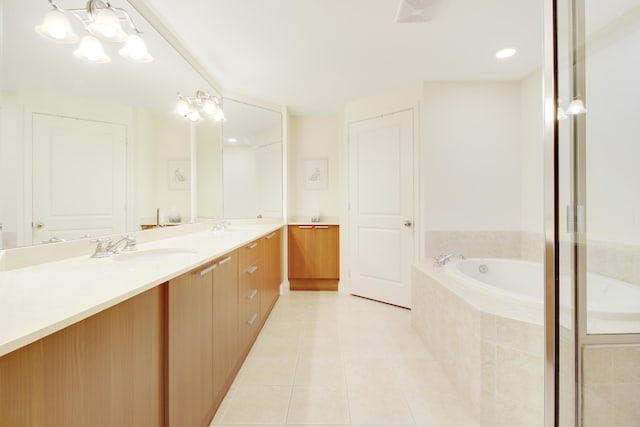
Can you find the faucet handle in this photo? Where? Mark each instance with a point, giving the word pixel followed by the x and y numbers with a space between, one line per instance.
pixel 100 251
pixel 131 243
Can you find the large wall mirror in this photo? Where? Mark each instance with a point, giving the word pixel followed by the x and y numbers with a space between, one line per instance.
pixel 89 149
pixel 252 159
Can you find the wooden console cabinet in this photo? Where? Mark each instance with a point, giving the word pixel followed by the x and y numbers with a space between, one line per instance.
pixel 314 257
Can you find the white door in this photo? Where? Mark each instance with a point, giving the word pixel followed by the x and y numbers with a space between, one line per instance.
pixel 381 207
pixel 79 178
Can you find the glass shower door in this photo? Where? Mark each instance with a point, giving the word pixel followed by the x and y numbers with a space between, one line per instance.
pixel 596 197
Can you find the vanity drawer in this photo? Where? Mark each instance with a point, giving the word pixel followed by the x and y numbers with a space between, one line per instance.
pixel 248 254
pixel 249 318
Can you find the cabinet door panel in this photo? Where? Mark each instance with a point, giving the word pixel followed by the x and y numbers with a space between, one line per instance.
pixel 102 371
pixel 190 347
pixel 225 325
pixel 300 251
pixel 325 259
pixel 272 262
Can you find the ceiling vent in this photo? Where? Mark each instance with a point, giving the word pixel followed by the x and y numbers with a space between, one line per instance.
pixel 415 11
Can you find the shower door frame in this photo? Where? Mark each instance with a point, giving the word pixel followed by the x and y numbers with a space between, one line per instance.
pixel 578 244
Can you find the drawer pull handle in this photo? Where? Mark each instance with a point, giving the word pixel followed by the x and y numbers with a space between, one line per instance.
pixel 305 226
pixel 252 245
pixel 253 318
pixel 207 270
pixel 270 236
pixel 252 294
pixel 321 226
pixel 222 261
pixel 252 269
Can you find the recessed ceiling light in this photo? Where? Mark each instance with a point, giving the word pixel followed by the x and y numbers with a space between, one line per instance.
pixel 505 53
pixel 232 140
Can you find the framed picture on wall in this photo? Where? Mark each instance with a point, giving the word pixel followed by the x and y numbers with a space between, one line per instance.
pixel 179 174
pixel 315 174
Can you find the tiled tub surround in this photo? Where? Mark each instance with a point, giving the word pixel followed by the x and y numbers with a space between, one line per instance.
pixel 486 244
pixel 611 375
pixel 491 348
pixel 616 260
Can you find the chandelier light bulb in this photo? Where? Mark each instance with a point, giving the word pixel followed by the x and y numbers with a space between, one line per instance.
pixel 194 114
pixel 562 114
pixel 107 26
pixel 209 107
pixel 219 116
pixel 135 49
pixel 91 50
pixel 576 107
pixel 56 27
pixel 182 107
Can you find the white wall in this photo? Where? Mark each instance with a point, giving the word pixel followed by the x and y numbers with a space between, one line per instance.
pixel 145 168
pixel 208 169
pixel 240 190
pixel 532 156
pixel 471 154
pixel 612 144
pixel 269 171
pixel 313 137
pixel 171 140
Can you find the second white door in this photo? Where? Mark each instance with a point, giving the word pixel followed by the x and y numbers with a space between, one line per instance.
pixel 79 178
pixel 381 208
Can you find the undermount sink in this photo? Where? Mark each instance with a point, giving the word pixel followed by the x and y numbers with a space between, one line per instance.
pixel 154 254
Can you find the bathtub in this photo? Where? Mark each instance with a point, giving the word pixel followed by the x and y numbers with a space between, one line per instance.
pixel 607 298
pixel 486 330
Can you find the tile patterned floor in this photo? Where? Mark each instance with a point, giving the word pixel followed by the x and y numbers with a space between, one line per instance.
pixel 325 359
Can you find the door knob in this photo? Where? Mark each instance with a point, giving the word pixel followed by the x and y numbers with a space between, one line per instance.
pixel 408 224
pixel 38 225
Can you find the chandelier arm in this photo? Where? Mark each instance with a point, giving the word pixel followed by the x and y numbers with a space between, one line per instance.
pixel 127 18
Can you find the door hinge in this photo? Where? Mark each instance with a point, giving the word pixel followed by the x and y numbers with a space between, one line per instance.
pixel 575 219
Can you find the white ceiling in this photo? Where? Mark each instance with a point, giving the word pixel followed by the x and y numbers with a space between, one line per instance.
pixel 315 55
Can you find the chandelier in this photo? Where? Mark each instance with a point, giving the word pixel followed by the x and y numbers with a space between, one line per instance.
pixel 200 105
pixel 102 21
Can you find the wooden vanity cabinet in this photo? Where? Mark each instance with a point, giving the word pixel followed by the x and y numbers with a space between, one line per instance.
pixel 314 257
pixel 272 262
pixel 106 370
pixel 163 358
pixel 226 351
pixel 190 381
pixel 250 277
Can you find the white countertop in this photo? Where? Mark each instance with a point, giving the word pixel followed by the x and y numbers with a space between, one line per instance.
pixel 313 223
pixel 39 300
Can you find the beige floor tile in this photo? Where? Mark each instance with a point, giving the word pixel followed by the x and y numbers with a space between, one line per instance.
pixel 268 371
pixel 316 371
pixel 370 373
pixel 282 329
pixel 318 405
pixel 378 407
pixel 258 405
pixel 319 347
pixel 267 346
pixel 334 360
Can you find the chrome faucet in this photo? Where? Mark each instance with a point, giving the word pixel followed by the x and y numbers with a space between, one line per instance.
pixel 442 259
pixel 130 245
pixel 104 247
pixel 221 225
